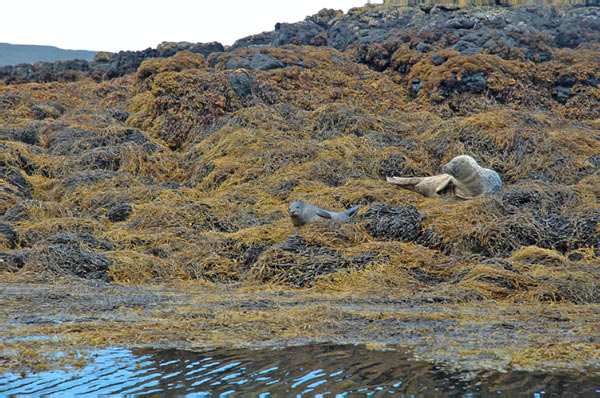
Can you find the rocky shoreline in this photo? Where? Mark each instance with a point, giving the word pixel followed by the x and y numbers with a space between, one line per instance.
pixel 170 166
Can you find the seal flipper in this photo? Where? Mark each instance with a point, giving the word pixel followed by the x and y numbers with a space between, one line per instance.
pixel 448 187
pixel 323 213
pixel 351 212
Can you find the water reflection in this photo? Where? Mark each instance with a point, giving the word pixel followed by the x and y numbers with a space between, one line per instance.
pixel 306 371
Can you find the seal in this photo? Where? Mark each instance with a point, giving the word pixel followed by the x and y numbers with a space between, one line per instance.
pixel 471 179
pixel 461 178
pixel 303 213
pixel 431 187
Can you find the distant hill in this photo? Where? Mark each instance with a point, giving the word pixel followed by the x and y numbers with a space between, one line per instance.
pixel 13 54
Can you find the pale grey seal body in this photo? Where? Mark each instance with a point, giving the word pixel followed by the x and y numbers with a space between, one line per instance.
pixel 303 213
pixel 462 178
pixel 431 187
pixel 471 179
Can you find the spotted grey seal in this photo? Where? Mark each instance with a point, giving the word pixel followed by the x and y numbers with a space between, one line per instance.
pixel 303 213
pixel 471 179
pixel 433 186
pixel 462 178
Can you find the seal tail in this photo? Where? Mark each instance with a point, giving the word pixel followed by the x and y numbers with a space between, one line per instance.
pixel 351 212
pixel 405 182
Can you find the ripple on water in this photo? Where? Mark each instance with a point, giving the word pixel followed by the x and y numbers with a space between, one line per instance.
pixel 312 370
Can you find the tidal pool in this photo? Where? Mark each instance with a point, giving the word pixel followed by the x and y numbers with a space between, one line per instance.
pixel 302 371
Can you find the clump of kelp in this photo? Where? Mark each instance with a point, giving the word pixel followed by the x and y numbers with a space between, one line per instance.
pixel 184 171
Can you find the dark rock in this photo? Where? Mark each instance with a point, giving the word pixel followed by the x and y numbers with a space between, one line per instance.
pixel 575 257
pixel 415 87
pixel 45 111
pixel 13 260
pixel 394 165
pixel 8 101
pixel 81 238
pixel 170 185
pixel 27 135
pixel 160 252
pixel 103 158
pixel 396 224
pixel 595 160
pixel 20 211
pixel 570 38
pixel 104 67
pixel 8 235
pixel 287 186
pixel 502 263
pixel 71 259
pixel 563 94
pixel 118 114
pixel 467 47
pixel 119 213
pixel 240 83
pixel 436 59
pixel 258 61
pixel 474 83
pixel 460 23
pixel 13 176
pixel 90 178
pixel 423 47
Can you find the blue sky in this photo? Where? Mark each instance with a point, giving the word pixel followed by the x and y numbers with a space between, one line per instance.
pixel 115 25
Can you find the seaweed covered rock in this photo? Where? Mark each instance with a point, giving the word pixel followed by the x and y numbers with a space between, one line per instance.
pixel 297 262
pixel 104 66
pixel 119 213
pixel 389 223
pixel 8 236
pixel 209 147
pixel 62 259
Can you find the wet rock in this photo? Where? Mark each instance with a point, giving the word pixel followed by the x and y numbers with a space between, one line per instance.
pixel 474 83
pixel 242 85
pixel 170 185
pixel 27 135
pixel 104 66
pixel 119 213
pixel 568 37
pixel 45 111
pixel 394 165
pixel 466 47
pixel 81 238
pixel 563 94
pixel 437 60
pixel 257 61
pixel 20 211
pixel 91 178
pixel 13 260
pixel 460 23
pixel 118 114
pixel 103 158
pixel 160 252
pixel 595 160
pixel 15 178
pixel 70 260
pixel 423 47
pixel 296 263
pixel 286 187
pixel 396 224
pixel 415 87
pixel 501 263
pixel 8 236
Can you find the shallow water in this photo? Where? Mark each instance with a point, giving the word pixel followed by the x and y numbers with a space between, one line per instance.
pixel 305 371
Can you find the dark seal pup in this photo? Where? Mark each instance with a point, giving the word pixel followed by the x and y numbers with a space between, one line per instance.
pixel 303 213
